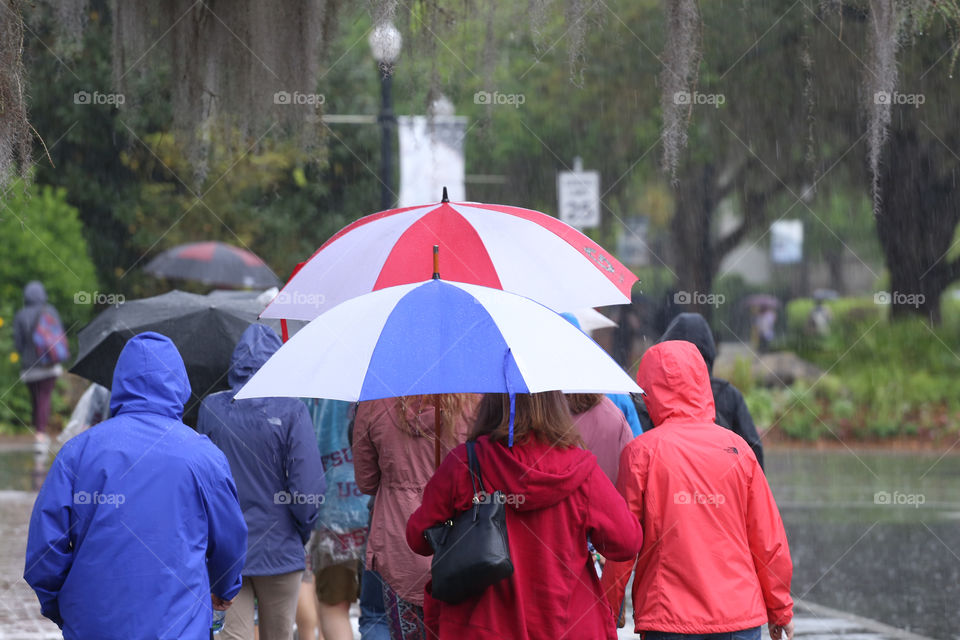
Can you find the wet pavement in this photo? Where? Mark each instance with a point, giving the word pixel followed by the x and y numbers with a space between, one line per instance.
pixel 20 617
pixel 873 535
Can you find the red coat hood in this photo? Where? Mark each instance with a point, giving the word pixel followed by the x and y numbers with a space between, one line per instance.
pixel 676 382
pixel 537 475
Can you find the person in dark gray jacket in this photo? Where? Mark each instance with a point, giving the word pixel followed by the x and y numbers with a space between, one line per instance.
pixel 39 376
pixel 273 454
pixel 731 408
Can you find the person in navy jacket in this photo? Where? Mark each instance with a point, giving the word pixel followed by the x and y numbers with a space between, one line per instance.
pixel 272 451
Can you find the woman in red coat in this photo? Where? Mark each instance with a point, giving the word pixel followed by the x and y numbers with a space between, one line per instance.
pixel 557 498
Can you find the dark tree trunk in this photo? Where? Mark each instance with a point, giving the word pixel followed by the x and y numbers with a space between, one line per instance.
pixel 696 201
pixel 835 266
pixel 919 213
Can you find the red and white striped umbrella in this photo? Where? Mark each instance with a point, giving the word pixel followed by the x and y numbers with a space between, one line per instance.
pixel 518 250
pixel 213 263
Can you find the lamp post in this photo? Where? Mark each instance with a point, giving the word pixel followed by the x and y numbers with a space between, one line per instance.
pixel 385 42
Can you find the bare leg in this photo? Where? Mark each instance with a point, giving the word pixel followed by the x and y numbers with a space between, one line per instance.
pixel 307 613
pixel 335 621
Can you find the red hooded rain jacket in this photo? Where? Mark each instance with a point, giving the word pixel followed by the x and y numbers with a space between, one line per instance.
pixel 556 498
pixel 715 555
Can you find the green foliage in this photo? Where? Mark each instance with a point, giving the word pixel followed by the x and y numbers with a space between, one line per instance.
pixel 742 376
pixel 41 238
pixel 655 282
pixel 15 399
pixel 886 379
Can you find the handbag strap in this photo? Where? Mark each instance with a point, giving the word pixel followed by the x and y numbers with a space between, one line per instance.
pixel 475 476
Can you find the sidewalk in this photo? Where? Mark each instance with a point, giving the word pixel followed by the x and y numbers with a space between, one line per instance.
pixel 20 617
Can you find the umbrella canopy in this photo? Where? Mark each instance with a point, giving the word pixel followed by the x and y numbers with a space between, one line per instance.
pixel 205 330
pixel 213 263
pixel 509 248
pixel 590 320
pixel 437 337
pixel 762 300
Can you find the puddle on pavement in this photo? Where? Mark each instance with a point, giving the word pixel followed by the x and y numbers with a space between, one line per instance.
pixel 874 533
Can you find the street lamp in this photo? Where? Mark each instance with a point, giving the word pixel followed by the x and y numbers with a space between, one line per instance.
pixel 385 42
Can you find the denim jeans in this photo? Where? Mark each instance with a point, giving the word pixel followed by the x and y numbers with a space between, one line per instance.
pixel 746 634
pixel 373 619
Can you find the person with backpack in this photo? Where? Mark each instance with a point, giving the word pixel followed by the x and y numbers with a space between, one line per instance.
pixel 42 346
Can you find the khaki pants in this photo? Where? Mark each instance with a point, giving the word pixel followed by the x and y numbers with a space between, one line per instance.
pixel 276 598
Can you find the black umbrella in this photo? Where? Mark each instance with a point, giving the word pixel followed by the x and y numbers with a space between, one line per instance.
pixel 213 263
pixel 204 328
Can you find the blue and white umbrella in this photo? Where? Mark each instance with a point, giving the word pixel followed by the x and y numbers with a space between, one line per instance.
pixel 437 337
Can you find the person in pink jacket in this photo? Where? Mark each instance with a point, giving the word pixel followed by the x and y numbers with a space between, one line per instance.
pixel 557 497
pixel 393 457
pixel 715 558
pixel 602 426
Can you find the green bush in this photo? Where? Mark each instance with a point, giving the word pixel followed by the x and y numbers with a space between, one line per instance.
pixel 40 239
pixel 885 378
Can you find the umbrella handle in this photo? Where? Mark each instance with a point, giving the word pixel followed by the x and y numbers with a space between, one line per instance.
pixel 436 262
pixel 437 429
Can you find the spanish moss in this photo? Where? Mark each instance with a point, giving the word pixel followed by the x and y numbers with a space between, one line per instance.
pixel 15 130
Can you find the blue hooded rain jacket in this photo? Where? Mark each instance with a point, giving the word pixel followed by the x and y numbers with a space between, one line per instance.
pixel 138 521
pixel 274 457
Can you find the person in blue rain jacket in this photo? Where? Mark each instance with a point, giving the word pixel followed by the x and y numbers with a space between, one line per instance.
pixel 276 463
pixel 137 528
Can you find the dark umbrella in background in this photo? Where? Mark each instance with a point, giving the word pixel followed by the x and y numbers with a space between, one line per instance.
pixel 205 330
pixel 213 263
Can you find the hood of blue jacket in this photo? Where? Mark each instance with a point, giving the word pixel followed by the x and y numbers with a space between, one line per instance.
pixel 150 378
pixel 34 293
pixel 255 347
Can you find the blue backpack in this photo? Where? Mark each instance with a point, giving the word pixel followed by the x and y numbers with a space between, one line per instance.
pixel 50 340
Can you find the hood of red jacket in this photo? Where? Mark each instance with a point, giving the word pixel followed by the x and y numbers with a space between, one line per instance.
pixel 677 383
pixel 533 475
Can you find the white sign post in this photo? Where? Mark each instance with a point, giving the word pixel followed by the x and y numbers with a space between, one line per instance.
pixel 578 196
pixel 786 241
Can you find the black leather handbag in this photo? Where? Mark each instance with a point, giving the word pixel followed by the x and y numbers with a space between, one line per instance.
pixel 471 552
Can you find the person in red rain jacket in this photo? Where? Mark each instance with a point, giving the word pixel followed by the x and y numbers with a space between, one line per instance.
pixel 557 497
pixel 715 558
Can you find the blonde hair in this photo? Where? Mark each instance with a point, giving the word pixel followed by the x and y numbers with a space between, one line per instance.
pixel 450 404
